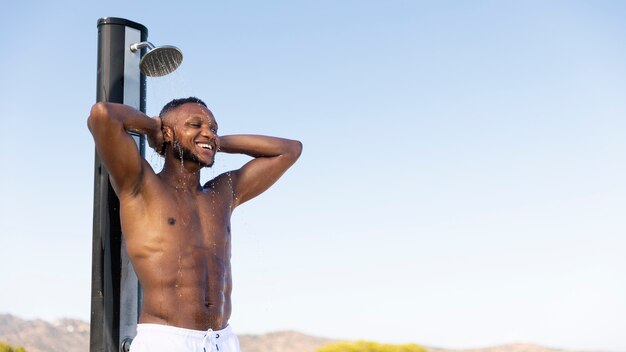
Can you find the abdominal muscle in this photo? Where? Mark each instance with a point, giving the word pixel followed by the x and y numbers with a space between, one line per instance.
pixel 189 291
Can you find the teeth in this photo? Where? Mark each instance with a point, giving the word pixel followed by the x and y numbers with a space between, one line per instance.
pixel 205 146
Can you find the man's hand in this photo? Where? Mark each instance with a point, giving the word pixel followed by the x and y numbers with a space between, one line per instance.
pixel 156 140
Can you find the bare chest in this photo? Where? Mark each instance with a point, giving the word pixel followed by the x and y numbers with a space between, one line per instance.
pixel 193 223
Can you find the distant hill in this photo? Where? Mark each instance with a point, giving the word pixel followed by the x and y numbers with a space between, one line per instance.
pixel 68 335
pixel 281 341
pixel 65 335
pixel 512 347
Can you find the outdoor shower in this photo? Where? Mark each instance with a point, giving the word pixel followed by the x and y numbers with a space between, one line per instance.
pixel 125 58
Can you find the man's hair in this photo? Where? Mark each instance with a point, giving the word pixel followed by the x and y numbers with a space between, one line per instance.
pixel 178 102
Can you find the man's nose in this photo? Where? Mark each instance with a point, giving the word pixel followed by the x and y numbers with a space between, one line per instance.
pixel 207 132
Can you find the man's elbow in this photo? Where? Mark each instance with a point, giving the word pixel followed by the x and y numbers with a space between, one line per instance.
pixel 98 114
pixel 295 149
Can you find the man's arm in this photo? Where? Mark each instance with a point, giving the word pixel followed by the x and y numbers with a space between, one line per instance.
pixel 109 124
pixel 272 157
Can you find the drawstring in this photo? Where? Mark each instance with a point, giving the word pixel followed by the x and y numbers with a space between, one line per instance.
pixel 211 339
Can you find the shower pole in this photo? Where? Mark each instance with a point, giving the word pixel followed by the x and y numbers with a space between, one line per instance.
pixel 115 291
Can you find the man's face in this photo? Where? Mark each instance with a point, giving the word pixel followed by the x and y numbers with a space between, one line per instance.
pixel 193 133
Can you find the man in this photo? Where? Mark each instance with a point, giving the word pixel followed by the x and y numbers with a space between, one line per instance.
pixel 177 231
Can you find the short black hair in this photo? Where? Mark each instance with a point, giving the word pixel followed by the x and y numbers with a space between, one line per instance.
pixel 178 102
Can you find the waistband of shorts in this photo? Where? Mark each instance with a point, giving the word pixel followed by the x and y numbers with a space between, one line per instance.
pixel 168 329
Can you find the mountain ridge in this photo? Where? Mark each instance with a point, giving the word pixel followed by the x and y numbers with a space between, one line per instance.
pixel 72 335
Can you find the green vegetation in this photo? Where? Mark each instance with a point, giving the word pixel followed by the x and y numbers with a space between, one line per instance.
pixel 5 347
pixel 367 346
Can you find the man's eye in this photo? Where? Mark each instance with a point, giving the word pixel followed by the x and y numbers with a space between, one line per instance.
pixel 194 125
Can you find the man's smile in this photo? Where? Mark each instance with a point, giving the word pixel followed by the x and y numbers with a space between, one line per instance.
pixel 205 146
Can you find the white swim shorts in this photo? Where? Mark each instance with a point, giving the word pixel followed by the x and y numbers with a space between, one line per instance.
pixel 164 338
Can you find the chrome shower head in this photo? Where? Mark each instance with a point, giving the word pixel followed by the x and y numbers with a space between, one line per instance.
pixel 158 61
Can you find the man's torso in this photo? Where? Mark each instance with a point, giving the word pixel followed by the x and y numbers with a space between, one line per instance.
pixel 179 244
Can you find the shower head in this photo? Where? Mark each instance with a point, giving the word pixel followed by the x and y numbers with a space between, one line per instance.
pixel 158 61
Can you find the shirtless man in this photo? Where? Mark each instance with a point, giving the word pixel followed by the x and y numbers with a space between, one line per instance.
pixel 177 231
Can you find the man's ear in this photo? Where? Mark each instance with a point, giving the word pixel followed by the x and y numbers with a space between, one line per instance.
pixel 168 134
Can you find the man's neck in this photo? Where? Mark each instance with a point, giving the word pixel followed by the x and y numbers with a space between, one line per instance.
pixel 184 176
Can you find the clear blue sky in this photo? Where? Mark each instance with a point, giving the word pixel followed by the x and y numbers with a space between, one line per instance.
pixel 462 184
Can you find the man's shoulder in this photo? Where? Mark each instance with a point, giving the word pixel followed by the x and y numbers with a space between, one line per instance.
pixel 221 181
pixel 221 189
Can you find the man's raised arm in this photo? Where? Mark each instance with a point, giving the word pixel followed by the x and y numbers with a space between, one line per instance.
pixel 272 157
pixel 109 124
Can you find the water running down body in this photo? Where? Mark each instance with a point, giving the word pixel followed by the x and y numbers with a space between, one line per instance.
pixel 177 231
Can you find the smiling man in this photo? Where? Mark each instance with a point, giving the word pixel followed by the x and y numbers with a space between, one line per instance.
pixel 177 231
